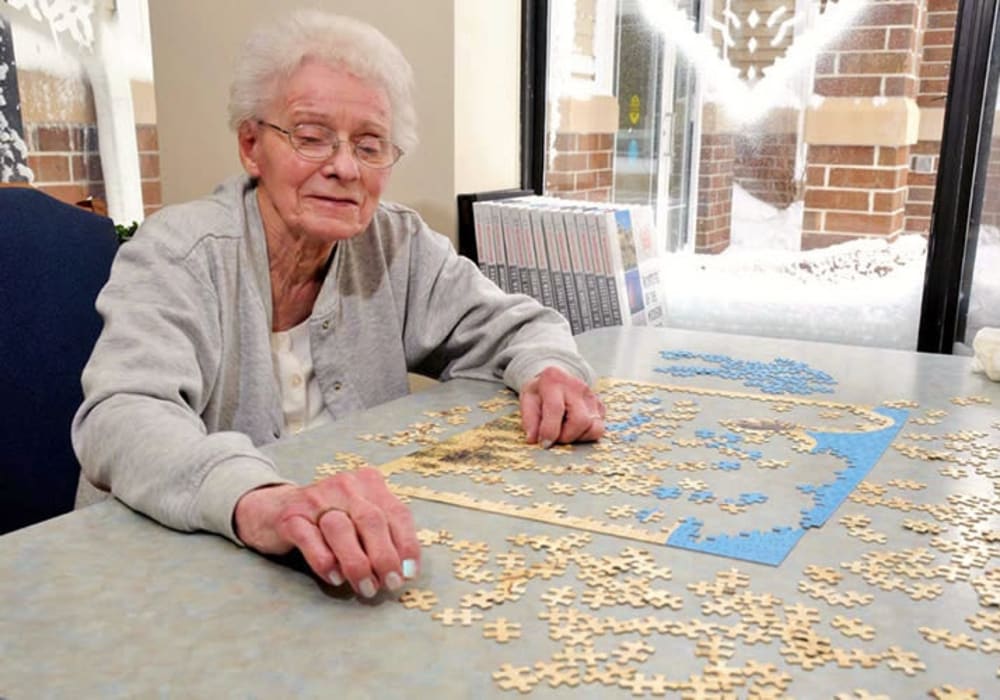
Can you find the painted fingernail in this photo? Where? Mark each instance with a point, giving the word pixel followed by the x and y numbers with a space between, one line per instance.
pixel 409 568
pixel 367 588
pixel 335 578
pixel 393 581
pixel 546 444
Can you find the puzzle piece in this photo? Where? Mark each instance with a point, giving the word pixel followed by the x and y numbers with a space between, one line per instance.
pixel 419 599
pixel 450 617
pixel 628 479
pixel 520 678
pixel 899 659
pixel 502 630
pixel 950 692
pixel 853 627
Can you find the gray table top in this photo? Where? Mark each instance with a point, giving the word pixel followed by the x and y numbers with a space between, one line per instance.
pixel 896 592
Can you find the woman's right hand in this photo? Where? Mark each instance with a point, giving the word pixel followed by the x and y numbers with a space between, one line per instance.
pixel 348 527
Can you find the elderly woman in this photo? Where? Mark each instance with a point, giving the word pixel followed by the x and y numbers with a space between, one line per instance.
pixel 293 296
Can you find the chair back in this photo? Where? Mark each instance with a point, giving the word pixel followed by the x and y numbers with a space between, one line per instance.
pixel 54 259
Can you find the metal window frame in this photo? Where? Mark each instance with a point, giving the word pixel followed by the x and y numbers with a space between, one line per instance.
pixel 534 68
pixel 961 178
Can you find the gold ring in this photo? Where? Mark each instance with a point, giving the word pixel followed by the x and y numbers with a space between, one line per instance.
pixel 319 516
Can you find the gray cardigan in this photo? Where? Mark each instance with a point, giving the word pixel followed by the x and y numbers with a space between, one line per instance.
pixel 180 388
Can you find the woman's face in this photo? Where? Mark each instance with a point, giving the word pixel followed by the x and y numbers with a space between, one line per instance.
pixel 326 201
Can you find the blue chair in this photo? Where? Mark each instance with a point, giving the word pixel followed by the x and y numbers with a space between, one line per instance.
pixel 54 259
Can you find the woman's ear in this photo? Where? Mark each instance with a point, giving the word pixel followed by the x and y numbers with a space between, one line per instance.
pixel 248 137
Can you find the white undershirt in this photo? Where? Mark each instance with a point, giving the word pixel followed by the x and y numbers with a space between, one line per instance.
pixel 301 398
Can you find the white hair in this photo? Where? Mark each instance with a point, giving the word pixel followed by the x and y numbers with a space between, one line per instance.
pixel 271 54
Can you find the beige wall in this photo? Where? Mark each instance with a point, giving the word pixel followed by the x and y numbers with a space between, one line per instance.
pixel 195 42
pixel 487 95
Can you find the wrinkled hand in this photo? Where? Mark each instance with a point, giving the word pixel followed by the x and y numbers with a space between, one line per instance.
pixel 558 407
pixel 348 526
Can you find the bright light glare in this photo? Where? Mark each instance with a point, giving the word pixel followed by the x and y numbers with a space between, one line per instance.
pixel 746 102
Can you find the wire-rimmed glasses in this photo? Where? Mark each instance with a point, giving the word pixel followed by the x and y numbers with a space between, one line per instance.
pixel 317 143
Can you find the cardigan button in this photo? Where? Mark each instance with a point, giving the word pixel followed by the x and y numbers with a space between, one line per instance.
pixel 337 386
pixel 326 325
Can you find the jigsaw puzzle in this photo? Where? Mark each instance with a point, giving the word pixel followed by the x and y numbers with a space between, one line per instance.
pixel 740 473
pixel 723 472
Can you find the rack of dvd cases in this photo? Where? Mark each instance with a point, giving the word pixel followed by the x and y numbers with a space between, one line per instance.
pixel 595 263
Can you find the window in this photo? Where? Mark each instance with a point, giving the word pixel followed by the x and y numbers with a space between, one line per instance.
pixel 788 150
pixel 67 69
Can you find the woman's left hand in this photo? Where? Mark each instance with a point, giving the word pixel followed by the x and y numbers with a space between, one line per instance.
pixel 558 407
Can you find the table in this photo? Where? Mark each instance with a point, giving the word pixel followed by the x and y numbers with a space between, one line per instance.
pixel 895 594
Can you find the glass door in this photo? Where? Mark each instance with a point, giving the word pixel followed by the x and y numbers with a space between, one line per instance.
pixel 787 149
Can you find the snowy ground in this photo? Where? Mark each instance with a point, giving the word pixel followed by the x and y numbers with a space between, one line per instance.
pixel 866 292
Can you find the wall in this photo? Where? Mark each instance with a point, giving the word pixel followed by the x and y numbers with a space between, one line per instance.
pixel 487 95
pixel 935 66
pixel 195 44
pixel 860 134
pixel 579 157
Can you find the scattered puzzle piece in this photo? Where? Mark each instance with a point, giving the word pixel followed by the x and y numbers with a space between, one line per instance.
pixel 605 616
pixel 501 630
pixel 418 598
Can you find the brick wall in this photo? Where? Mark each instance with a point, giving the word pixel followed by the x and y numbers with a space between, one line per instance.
pixel 582 167
pixel 920 187
pixel 935 57
pixel 65 160
pixel 876 56
pixel 764 162
pixel 932 91
pixel 67 163
pixel 765 166
pixel 852 191
pixel 148 144
pixel 715 193
pixel 861 190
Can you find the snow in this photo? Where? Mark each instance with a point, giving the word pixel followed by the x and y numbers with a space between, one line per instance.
pixel 13 150
pixel 863 292
pixel 984 300
pixel 758 225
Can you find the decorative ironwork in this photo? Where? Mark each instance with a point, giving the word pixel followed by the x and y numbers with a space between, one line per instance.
pixel 757 54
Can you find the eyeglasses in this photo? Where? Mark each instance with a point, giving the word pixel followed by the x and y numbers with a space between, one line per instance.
pixel 317 143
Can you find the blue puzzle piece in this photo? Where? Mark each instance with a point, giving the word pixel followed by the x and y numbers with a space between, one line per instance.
pixel 667 492
pixel 765 547
pixel 728 465
pixel 645 514
pixel 749 499
pixel 780 376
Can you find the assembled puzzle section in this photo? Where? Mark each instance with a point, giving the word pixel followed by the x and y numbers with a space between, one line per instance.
pixel 561 608
pixel 734 474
